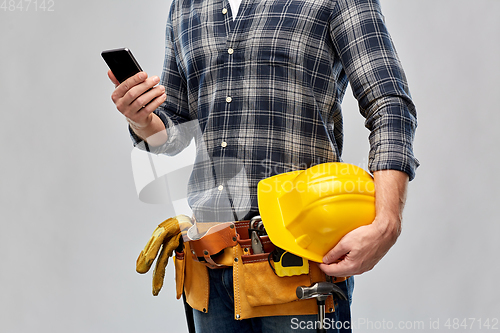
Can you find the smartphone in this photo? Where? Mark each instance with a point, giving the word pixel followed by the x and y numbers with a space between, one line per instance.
pixel 122 63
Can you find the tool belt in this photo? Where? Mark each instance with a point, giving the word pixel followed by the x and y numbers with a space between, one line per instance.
pixel 258 291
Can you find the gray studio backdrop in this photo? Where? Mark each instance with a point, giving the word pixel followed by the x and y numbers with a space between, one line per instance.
pixel 72 224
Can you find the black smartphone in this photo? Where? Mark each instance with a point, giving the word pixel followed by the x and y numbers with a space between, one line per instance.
pixel 122 63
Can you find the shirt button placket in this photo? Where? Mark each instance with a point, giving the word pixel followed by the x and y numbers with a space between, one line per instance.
pixel 229 99
pixel 230 51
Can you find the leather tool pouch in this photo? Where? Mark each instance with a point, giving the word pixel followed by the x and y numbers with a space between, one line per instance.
pixel 192 277
pixel 213 250
pixel 259 292
pixel 210 248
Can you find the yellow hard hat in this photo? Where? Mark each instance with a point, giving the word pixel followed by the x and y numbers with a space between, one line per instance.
pixel 307 212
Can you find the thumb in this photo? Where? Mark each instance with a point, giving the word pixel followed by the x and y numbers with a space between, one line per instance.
pixel 113 78
pixel 337 253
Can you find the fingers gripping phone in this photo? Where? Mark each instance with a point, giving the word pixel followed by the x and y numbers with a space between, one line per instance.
pixel 122 63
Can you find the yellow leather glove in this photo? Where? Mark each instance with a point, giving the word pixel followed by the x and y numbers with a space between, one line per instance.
pixel 166 236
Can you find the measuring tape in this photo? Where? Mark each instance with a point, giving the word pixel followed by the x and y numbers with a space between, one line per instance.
pixel 289 264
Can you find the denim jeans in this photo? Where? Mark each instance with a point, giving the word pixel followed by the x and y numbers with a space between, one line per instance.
pixel 220 317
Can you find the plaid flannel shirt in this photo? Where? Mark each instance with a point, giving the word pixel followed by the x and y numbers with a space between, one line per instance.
pixel 266 90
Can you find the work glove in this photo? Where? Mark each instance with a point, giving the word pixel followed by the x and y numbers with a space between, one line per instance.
pixel 167 237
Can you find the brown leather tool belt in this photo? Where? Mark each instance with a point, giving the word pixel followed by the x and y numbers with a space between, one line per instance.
pixel 258 291
pixel 214 248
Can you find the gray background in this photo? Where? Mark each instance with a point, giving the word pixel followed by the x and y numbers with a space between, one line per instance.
pixel 72 224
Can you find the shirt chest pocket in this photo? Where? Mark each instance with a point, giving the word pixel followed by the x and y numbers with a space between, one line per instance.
pixel 201 38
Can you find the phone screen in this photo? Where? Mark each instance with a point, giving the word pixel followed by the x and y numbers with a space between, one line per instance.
pixel 122 63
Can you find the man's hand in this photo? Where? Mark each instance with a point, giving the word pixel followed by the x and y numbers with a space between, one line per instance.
pixel 361 249
pixel 136 98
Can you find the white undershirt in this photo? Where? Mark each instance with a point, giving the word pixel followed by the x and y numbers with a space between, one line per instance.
pixel 235 5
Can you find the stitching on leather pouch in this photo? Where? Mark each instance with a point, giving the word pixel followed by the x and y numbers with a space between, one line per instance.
pixel 236 281
pixel 254 260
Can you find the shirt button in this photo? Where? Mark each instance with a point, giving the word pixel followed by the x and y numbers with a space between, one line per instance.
pixel 229 99
pixel 220 188
pixel 224 11
pixel 230 51
pixel 223 144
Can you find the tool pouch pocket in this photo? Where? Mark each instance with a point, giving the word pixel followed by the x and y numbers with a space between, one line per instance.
pixel 192 278
pixel 263 287
pixel 258 292
pixel 180 273
pixel 256 281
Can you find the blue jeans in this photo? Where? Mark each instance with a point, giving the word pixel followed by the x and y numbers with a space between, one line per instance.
pixel 220 317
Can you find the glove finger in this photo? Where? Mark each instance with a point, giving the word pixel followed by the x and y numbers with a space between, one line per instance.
pixel 172 244
pixel 159 273
pixel 148 255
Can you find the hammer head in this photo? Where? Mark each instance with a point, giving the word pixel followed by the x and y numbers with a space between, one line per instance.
pixel 320 290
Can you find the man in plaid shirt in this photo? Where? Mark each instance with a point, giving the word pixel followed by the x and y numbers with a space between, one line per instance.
pixel 266 87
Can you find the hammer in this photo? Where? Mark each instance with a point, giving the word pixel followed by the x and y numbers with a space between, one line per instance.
pixel 320 291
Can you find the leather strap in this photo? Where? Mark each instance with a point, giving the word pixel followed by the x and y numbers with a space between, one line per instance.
pixel 214 242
